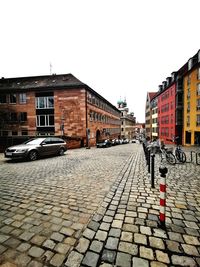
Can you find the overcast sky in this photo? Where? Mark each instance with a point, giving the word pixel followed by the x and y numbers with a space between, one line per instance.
pixel 120 48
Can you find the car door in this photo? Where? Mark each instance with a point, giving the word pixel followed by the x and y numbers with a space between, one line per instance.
pixel 47 147
pixel 55 145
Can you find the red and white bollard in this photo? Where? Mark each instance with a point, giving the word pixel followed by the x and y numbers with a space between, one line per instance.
pixel 163 171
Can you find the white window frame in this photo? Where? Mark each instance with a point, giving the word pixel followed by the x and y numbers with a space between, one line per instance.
pixel 22 98
pixel 46 118
pixel 46 102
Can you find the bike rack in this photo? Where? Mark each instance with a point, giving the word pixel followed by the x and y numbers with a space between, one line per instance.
pixel 191 157
pixel 197 155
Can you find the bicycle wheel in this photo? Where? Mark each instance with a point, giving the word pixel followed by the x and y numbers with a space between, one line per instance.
pixel 177 154
pixel 170 158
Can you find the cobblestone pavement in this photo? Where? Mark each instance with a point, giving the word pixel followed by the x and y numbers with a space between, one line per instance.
pixel 97 208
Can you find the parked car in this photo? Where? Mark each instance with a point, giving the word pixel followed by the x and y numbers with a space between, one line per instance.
pixel 104 143
pixel 133 141
pixel 114 142
pixel 38 147
pixel 125 141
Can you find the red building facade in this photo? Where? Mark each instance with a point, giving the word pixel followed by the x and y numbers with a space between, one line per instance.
pixel 167 113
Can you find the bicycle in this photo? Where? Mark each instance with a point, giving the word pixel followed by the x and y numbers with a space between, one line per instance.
pixel 167 154
pixel 180 154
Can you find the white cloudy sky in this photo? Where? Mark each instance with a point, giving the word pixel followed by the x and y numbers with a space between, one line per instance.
pixel 118 47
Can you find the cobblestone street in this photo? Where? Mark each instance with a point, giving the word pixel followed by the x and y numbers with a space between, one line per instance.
pixel 96 207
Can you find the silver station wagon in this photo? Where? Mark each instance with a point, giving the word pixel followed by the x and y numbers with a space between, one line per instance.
pixel 38 147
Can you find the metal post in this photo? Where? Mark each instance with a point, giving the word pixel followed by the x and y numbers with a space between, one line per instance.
pixel 152 170
pixel 163 171
pixel 148 159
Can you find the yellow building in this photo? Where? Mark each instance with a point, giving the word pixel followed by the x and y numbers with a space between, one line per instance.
pixel 191 125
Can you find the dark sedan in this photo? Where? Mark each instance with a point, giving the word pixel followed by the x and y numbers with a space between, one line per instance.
pixel 38 147
pixel 104 143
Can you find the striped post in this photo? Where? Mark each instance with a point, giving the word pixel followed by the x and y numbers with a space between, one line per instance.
pixel 163 171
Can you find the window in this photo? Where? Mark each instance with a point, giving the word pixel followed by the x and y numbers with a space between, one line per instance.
pixel 190 64
pixel 12 98
pixel 188 121
pixel 45 120
pixel 198 73
pixel 44 102
pixel 22 98
pixel 188 106
pixel 188 93
pixel 24 132
pixel 91 116
pixel 3 99
pixel 23 116
pixel 189 80
pixel 5 133
pixel 198 104
pixel 198 89
pixel 198 120
pixel 13 116
pixel 14 133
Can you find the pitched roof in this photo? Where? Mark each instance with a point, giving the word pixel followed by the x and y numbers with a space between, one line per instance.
pixel 36 82
pixel 151 95
pixel 49 82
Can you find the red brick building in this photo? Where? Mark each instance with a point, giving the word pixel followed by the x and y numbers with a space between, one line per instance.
pixel 58 105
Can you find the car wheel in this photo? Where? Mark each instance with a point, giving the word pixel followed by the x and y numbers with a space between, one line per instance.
pixel 33 155
pixel 61 151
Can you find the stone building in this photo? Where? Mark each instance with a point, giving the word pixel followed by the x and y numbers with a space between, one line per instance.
pixel 127 120
pixel 59 105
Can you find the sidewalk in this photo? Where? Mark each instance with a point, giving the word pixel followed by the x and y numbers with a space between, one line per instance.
pixel 125 230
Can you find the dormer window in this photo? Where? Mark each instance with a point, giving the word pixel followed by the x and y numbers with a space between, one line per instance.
pixel 173 76
pixel 190 64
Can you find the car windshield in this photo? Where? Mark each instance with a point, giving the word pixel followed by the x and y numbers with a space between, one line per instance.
pixel 34 141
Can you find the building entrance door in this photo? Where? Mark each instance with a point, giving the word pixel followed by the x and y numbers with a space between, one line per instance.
pixel 188 138
pixel 197 138
pixel 97 136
